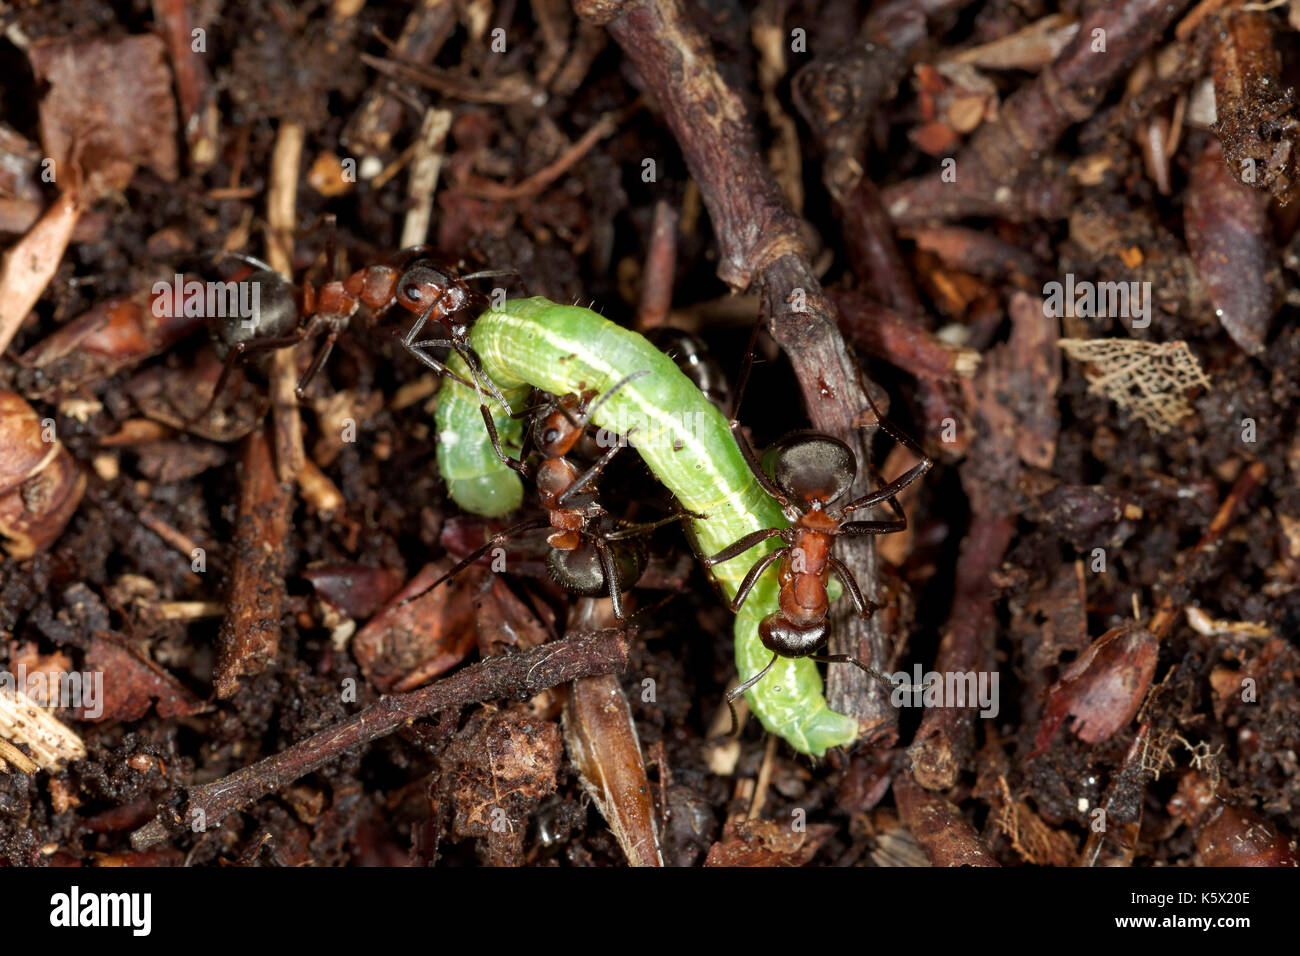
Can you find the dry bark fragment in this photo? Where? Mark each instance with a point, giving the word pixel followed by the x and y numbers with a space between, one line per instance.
pixel 603 745
pixel 940 828
pixel 406 645
pixel 1255 112
pixel 1118 819
pixel 112 335
pixel 767 843
pixel 109 109
pixel 29 264
pixel 1230 238
pixel 496 771
pixel 22 722
pixel 132 683
pixel 250 634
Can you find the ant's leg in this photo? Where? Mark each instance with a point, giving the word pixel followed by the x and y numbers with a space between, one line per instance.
pixel 433 363
pixel 738 691
pixel 421 319
pixel 493 273
pixel 865 606
pixel 634 530
pixel 888 490
pixel 506 460
pixel 609 392
pixel 850 659
pixel 531 409
pixel 328 222
pixel 870 671
pixel 902 481
pixel 608 569
pixel 751 578
pixel 858 528
pixel 219 254
pixel 587 477
pixel 747 363
pixel 746 449
pixel 741 545
pixel 756 466
pixel 499 538
pixel 483 381
pixel 318 361
pixel 250 347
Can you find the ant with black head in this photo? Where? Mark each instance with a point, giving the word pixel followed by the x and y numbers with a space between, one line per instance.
pixel 809 473
pixel 417 280
pixel 588 556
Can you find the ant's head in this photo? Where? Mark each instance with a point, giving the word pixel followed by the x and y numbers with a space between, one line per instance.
pixel 556 432
pixel 423 282
pixel 812 469
pixel 782 636
pixel 579 571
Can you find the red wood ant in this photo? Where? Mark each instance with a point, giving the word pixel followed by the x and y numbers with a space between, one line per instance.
pixel 810 472
pixel 418 283
pixel 587 557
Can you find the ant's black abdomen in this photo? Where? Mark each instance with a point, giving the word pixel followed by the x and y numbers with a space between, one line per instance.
pixel 809 467
pixel 693 358
pixel 266 309
pixel 580 572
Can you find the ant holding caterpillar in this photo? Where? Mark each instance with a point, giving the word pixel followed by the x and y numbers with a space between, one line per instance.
pixel 587 557
pixel 417 281
pixel 810 472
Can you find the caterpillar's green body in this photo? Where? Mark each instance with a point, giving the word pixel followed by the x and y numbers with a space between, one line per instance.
pixel 685 441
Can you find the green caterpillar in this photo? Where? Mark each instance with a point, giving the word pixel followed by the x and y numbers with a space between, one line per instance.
pixel 684 440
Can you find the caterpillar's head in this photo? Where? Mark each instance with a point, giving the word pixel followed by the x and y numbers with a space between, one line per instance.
pixel 812 469
pixel 580 572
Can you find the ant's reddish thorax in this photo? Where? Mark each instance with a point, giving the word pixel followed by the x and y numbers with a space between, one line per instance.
pixel 334 299
pixel 374 286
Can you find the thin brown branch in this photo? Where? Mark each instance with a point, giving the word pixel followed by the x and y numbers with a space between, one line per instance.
pixel 517 677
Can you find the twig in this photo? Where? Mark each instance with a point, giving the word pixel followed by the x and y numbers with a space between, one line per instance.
pixel 945 740
pixel 660 267
pixel 939 827
pixel 902 343
pixel 30 263
pixel 426 165
pixel 518 677
pixel 760 238
pixel 370 131
pixel 602 740
pixel 994 170
pixel 281 216
pixel 1246 482
pixel 534 184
